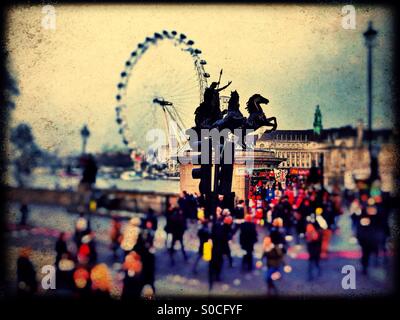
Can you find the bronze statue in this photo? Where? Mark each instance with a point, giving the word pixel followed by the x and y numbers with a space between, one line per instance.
pixel 257 118
pixel 209 110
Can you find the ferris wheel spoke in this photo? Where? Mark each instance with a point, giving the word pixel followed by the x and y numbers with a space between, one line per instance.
pixel 187 90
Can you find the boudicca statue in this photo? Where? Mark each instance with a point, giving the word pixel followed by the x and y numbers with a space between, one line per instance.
pixel 209 115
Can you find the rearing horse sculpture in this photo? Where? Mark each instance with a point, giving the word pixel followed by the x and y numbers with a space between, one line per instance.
pixel 257 118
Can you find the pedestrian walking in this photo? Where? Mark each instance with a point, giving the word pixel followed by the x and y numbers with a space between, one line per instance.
pixel 314 241
pixel 178 228
pixel 204 234
pixel 26 274
pixel 248 237
pixel 274 256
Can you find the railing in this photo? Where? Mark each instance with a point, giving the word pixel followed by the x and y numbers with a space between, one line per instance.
pixel 127 200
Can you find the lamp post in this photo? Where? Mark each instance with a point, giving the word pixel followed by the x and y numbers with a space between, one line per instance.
pixel 370 41
pixel 85 133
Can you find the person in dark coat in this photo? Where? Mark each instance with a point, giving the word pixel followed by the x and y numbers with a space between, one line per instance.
pixel 24 214
pixel 144 248
pixel 239 210
pixel 248 237
pixel 228 234
pixel 215 265
pixel 301 215
pixel 150 217
pixel 115 236
pixel 168 225
pixel 184 204
pixel 65 269
pixel 26 274
pixel 368 235
pixel 61 247
pixel 133 282
pixel 178 227
pixel 278 233
pixel 274 256
pixel 149 268
pixel 314 241
pixel 89 171
pixel 287 214
pixel 204 235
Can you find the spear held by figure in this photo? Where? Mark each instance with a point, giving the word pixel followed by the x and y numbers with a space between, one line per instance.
pixel 215 85
pixel 220 76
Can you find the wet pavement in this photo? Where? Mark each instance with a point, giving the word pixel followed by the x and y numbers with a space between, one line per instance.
pixel 46 223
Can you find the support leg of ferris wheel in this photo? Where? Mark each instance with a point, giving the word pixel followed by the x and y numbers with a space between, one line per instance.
pixel 172 118
pixel 170 164
pixel 178 133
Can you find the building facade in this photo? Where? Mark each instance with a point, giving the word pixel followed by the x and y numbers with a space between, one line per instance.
pixel 344 151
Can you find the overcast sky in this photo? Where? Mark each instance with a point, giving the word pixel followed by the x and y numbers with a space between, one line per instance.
pixel 296 56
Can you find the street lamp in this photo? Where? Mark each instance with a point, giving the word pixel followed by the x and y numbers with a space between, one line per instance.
pixel 370 41
pixel 85 133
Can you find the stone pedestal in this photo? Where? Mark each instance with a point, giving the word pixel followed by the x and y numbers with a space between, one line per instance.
pixel 245 162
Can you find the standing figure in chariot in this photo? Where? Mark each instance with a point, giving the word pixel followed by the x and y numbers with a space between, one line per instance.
pixel 209 110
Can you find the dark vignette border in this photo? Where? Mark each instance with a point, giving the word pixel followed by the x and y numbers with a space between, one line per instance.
pixel 260 308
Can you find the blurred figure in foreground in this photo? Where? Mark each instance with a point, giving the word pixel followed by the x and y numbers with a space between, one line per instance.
pixel 24 214
pixel 248 237
pixel 61 247
pixel 218 237
pixel 178 228
pixel 89 174
pixel 133 280
pixel 368 233
pixel 26 274
pixel 274 255
pixel 115 237
pixel 204 235
pixel 101 280
pixel 314 242
pixel 130 235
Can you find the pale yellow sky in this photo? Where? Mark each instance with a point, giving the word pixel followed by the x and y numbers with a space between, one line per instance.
pixel 296 56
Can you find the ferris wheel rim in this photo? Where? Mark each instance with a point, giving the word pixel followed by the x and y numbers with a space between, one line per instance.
pixel 179 40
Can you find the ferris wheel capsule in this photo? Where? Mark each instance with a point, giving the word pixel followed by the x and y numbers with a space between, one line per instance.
pixel 149 39
pixel 158 36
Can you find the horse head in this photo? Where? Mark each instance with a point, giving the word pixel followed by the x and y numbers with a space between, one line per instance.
pixel 253 104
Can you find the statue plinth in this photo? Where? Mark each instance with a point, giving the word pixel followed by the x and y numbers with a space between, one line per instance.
pixel 245 162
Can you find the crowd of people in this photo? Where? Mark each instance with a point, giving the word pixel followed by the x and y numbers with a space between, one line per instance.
pixel 279 216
